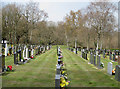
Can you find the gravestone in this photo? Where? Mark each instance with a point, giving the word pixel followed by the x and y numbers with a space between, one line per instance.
pixel 29 52
pixel 23 54
pixel 57 81
pixel 110 56
pixel 6 49
pixel 109 70
pixel 117 73
pixel 103 54
pixel 86 55
pixel 3 55
pixel 10 50
pixel 32 52
pixel 113 56
pixel 90 57
pixel 15 58
pixel 81 52
pixel 95 60
pixel 58 69
pixel 98 61
pixel 76 51
pixel 20 55
pixel 26 53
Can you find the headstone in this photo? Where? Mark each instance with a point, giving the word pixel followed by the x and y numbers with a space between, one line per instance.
pixel 113 56
pixel 109 71
pixel 110 56
pixel 58 69
pixel 10 50
pixel 15 58
pixel 117 73
pixel 23 53
pixel 20 55
pixel 103 54
pixel 90 57
pixel 95 60
pixel 76 50
pixel 32 52
pixel 57 81
pixel 81 52
pixel 6 49
pixel 86 55
pixel 98 61
pixel 26 53
pixel 29 53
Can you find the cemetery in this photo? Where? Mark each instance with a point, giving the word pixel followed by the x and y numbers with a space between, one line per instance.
pixel 81 51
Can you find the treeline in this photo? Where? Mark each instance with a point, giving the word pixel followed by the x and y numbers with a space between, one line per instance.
pixel 27 24
pixel 95 26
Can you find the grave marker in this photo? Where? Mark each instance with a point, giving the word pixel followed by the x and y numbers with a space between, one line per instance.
pixel 58 69
pixel 109 71
pixel 57 81
pixel 117 73
pixel 113 56
pixel 98 61
pixel 110 56
pixel 95 60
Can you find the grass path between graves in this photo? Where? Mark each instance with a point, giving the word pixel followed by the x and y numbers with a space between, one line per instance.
pixel 82 74
pixel 39 72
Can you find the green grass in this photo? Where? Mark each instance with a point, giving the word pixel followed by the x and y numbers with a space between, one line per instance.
pixel 82 74
pixel 40 72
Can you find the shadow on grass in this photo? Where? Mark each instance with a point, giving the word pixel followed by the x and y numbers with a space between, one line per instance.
pixel 6 73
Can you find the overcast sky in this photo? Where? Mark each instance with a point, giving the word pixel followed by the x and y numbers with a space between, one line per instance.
pixel 57 9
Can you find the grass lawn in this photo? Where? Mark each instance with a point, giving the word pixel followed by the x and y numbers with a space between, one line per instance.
pixel 40 72
pixel 82 74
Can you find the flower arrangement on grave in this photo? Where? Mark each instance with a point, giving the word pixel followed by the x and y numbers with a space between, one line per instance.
pixel 113 71
pixel 8 54
pixel 116 57
pixel 10 68
pixel 64 83
pixel 32 57
pixel 102 65
pixel 61 56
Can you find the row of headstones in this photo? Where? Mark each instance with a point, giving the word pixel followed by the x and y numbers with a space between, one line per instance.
pixel 112 55
pixel 73 50
pixel 96 61
pixel 27 53
pixel 58 67
pixel 21 53
pixel 10 49
pixel 97 58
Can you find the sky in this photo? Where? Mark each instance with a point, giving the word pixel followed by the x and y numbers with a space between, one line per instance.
pixel 57 9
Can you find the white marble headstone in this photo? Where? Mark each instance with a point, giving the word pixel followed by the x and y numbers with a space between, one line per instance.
pixel 26 52
pixel 32 52
pixel 109 68
pixel 6 49
pixel 23 53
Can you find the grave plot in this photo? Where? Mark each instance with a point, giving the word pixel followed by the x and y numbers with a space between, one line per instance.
pixel 99 61
pixel 38 73
pixel 61 80
pixel 82 74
